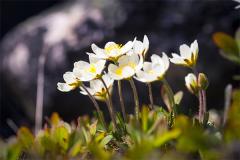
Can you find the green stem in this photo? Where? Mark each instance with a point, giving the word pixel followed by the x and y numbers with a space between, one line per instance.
pixel 109 104
pixel 137 108
pixel 121 101
pixel 150 95
pixel 100 115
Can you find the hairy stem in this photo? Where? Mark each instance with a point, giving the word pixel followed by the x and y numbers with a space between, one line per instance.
pixel 202 100
pixel 121 101
pixel 150 95
pixel 137 108
pixel 110 104
pixel 100 115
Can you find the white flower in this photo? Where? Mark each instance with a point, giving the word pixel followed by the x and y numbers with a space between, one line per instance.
pixel 127 66
pixel 71 82
pixel 155 70
pixel 188 55
pixel 238 6
pixel 97 88
pixel 85 71
pixel 139 47
pixel 191 83
pixel 112 51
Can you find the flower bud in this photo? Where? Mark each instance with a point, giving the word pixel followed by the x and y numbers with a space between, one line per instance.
pixel 202 81
pixel 191 83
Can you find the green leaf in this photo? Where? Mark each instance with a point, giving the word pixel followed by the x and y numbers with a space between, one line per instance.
pixel 93 128
pixel 14 152
pixel 228 45
pixel 165 137
pixel 106 140
pixel 144 118
pixel 231 130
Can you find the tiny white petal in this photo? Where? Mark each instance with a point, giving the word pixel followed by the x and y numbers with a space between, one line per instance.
pixel 64 87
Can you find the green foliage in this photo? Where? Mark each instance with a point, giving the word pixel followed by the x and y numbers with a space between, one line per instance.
pixel 230 47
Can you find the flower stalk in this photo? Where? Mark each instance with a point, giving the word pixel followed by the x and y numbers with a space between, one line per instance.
pixel 150 95
pixel 100 115
pixel 121 101
pixel 136 99
pixel 109 104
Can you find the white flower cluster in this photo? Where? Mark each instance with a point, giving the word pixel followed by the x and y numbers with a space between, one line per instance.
pixel 126 62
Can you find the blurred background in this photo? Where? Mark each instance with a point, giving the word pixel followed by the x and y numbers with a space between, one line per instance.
pixel 64 31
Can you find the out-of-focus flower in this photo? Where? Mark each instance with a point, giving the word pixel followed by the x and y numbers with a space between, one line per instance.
pixel 85 71
pixel 188 55
pixel 71 82
pixel 112 51
pixel 140 47
pixel 127 66
pixel 97 88
pixel 155 70
pixel 191 83
pixel 238 6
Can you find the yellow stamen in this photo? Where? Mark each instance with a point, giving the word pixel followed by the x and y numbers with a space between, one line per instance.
pixel 110 48
pixel 92 68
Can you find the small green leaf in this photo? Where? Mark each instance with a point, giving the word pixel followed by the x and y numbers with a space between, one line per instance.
pixel 144 118
pixel 106 140
pixel 93 128
pixel 60 136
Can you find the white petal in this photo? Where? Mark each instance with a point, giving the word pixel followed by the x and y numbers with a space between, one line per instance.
pixel 134 58
pixel 93 58
pixel 124 60
pixel 126 47
pixel 81 65
pixel 165 60
pixel 96 85
pixel 69 78
pixel 64 87
pixel 98 51
pixel 128 72
pixel 147 66
pixel 138 47
pixel 111 71
pixel 156 59
pixel 108 80
pixel 194 49
pixel 185 51
pixel 145 44
pixel 100 65
pixel 144 77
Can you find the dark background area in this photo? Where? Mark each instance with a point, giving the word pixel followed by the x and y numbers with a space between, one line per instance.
pixel 168 24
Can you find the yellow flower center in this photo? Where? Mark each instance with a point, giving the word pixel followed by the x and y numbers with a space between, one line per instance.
pixel 92 68
pixel 120 69
pixel 113 47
